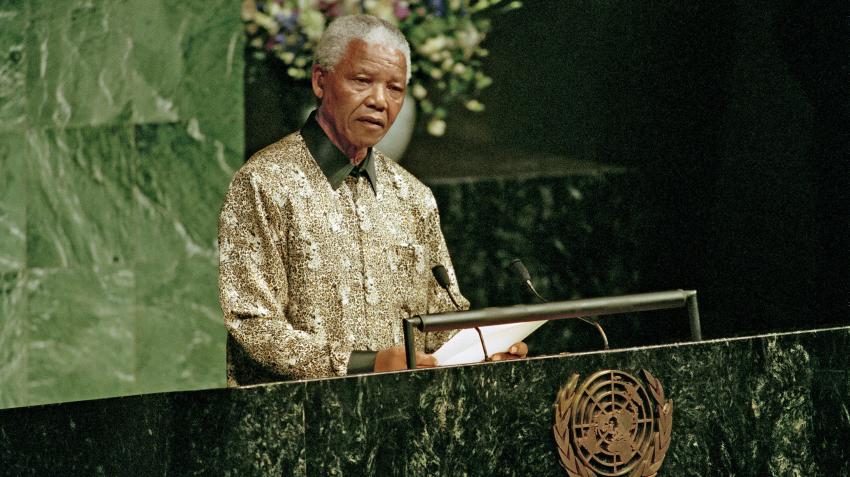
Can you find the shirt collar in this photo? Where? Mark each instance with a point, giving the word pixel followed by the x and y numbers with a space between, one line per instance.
pixel 333 163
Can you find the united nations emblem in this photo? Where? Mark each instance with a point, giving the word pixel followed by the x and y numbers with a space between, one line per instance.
pixel 612 425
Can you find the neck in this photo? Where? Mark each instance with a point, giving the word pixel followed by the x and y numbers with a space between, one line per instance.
pixel 352 152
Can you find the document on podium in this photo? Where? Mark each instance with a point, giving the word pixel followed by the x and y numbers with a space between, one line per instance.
pixel 465 347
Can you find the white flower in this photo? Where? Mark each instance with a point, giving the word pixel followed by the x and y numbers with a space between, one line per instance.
pixel 267 22
pixel 433 45
pixel 474 105
pixel 382 9
pixel 312 23
pixel 459 68
pixel 469 39
pixel 436 127
pixel 419 91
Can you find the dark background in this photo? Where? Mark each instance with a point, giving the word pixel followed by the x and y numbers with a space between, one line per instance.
pixel 735 113
pixel 730 118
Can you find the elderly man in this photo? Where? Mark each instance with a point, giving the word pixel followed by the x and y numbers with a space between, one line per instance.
pixel 326 245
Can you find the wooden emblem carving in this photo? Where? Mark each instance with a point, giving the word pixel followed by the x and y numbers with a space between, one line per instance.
pixel 612 425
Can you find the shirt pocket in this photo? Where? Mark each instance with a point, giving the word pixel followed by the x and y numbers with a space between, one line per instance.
pixel 409 277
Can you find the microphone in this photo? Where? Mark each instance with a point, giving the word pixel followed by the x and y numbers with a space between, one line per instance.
pixel 442 277
pixel 517 267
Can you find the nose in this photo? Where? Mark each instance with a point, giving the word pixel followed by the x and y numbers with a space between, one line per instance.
pixel 377 98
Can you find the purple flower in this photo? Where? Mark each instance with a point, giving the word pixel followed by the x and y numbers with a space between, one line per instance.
pixel 401 11
pixel 438 6
pixel 287 22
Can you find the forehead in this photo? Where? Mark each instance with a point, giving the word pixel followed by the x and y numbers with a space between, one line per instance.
pixel 373 57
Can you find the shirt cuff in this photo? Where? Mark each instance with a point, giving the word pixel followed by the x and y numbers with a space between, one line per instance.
pixel 361 362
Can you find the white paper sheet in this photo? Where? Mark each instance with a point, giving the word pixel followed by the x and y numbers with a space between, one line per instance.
pixel 465 347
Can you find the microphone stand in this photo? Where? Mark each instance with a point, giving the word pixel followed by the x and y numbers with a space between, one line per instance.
pixel 517 265
pixel 442 277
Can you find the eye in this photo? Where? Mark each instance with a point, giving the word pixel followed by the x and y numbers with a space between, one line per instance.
pixel 362 80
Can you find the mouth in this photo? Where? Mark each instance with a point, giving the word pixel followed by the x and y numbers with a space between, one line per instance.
pixel 372 122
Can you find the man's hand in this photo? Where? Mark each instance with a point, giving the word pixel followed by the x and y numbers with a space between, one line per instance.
pixel 516 351
pixel 394 359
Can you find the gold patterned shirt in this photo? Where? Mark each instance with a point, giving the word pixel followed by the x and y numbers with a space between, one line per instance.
pixel 310 273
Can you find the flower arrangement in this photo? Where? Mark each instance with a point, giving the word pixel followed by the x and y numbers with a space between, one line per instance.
pixel 445 39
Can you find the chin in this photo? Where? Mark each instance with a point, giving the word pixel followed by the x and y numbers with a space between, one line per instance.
pixel 371 141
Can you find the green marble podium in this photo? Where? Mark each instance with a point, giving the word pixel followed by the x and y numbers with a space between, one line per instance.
pixel 755 406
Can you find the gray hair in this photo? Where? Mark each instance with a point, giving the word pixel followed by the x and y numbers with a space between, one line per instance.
pixel 340 32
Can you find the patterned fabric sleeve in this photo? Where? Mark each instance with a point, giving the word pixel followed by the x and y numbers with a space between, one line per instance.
pixel 439 301
pixel 253 286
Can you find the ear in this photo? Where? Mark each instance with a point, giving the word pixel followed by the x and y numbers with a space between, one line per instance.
pixel 318 76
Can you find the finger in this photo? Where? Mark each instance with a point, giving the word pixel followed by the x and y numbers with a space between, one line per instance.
pixel 425 360
pixel 505 357
pixel 519 350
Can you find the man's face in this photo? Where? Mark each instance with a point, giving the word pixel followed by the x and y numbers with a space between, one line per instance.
pixel 362 96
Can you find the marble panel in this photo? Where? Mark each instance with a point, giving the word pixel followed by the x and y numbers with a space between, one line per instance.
pixel 121 436
pixel 219 432
pixel 182 181
pixel 757 406
pixel 106 62
pixel 80 209
pixel 211 90
pixel 13 188
pixel 13 339
pixel 750 418
pixel 13 24
pixel 180 334
pixel 113 62
pixel 831 418
pixel 254 431
pixel 181 186
pixel 80 326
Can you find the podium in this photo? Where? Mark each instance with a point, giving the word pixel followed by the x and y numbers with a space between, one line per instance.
pixel 755 406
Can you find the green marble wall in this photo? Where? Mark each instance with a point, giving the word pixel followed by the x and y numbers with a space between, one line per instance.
pixel 120 127
pixel 773 405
